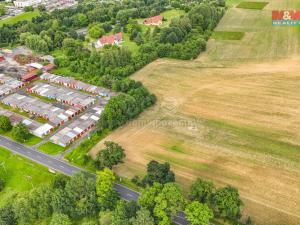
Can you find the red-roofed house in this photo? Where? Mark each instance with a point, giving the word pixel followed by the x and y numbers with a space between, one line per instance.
pixel 31 75
pixel 49 67
pixel 155 20
pixel 114 39
pixel 2 58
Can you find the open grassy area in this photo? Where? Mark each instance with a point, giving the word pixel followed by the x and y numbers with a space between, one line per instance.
pixel 230 116
pixel 24 16
pixel 51 149
pixel 78 155
pixel 261 41
pixel 252 5
pixel 227 35
pixel 20 174
pixel 131 45
pixel 32 140
pixel 170 14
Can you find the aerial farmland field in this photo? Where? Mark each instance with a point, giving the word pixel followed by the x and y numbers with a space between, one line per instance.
pixel 232 115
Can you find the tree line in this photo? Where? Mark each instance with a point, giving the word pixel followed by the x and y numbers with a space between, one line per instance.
pixel 184 38
pixel 95 201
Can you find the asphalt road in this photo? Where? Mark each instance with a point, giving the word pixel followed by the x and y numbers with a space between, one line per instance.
pixel 69 170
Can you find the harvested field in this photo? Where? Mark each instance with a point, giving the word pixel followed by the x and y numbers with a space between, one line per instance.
pixel 232 116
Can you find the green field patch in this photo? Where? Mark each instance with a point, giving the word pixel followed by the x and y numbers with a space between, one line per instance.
pixel 247 138
pixel 51 149
pixel 228 35
pixel 252 5
pixel 179 162
pixel 175 147
pixel 131 45
pixel 20 174
pixel 170 14
pixel 32 140
pixel 24 16
pixel 44 99
pixel 79 155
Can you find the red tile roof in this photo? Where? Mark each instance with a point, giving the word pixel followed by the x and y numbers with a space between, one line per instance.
pixel 153 20
pixel 32 74
pixel 111 39
pixel 49 67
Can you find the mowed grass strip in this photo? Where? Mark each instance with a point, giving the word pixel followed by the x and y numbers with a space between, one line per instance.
pixel 252 5
pixel 246 138
pixel 24 16
pixel 228 35
pixel 51 149
pixel 32 140
pixel 20 174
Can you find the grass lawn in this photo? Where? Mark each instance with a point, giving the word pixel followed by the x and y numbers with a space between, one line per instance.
pixel 170 14
pixel 51 149
pixel 24 16
pixel 252 5
pixel 231 3
pixel 44 99
pixel 78 155
pixel 227 35
pixel 33 140
pixel 20 174
pixel 131 45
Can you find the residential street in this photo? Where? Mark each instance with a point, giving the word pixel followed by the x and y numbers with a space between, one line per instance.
pixel 67 169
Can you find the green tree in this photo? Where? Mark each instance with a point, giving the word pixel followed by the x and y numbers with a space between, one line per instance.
pixel 5 124
pixel 60 181
pixel 107 196
pixel 2 10
pixel 202 190
pixel 2 184
pixel 7 215
pixel 164 201
pixel 81 194
pixel 123 212
pixel 143 217
pixel 95 30
pixel 226 202
pixel 110 156
pixel 41 8
pixel 119 214
pixel 168 203
pixel 198 213
pixel 91 222
pixel 148 195
pixel 105 217
pixel 60 219
pixel 159 173
pixel 28 9
pixel 20 132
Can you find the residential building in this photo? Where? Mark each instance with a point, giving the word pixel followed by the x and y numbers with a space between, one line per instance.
pixel 26 3
pixel 114 39
pixel 155 20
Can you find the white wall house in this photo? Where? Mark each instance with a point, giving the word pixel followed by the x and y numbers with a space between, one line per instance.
pixel 25 3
